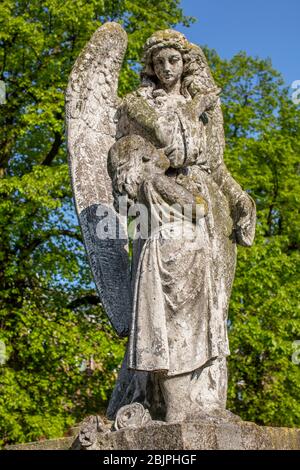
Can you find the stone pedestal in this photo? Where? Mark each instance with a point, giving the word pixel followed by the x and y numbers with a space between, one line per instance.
pixel 181 436
pixel 198 436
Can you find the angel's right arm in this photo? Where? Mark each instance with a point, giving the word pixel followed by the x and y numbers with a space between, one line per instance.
pixel 175 194
pixel 146 119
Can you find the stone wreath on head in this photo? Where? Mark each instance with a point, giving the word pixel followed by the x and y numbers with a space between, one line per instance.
pixel 196 76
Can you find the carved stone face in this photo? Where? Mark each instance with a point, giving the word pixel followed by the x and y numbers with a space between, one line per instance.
pixel 168 66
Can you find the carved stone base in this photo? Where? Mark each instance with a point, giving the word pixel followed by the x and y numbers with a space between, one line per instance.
pixel 196 435
pixel 181 436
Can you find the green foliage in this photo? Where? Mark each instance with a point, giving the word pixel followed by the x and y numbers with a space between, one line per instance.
pixel 61 354
pixel 263 147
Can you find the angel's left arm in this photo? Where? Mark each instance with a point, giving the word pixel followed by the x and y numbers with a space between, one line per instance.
pixel 242 205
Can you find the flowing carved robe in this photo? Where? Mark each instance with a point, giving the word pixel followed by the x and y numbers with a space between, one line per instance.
pixel 181 294
pixel 176 326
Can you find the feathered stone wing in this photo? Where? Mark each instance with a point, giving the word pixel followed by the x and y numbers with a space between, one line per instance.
pixel 91 105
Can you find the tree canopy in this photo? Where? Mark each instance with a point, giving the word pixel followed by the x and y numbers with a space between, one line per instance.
pixel 59 355
pixel 263 147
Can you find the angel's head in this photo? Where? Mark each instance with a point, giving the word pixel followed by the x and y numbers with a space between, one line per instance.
pixel 168 67
pixel 169 57
pixel 132 160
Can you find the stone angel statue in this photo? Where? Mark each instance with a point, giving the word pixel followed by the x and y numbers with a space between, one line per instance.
pixel 161 147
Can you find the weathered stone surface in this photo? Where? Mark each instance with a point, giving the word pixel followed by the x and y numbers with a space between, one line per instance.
pixel 161 148
pixel 91 105
pixel 183 436
pixel 51 444
pixel 62 443
pixel 201 436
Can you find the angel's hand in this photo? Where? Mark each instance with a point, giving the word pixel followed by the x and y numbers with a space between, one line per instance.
pixel 183 180
pixel 171 151
pixel 130 184
pixel 188 183
pixel 244 213
pixel 205 101
pixel 174 155
pixel 243 206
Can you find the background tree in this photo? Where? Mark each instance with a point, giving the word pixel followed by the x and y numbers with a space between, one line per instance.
pixel 61 354
pixel 263 147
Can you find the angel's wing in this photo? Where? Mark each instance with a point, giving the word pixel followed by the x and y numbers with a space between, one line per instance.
pixel 215 145
pixel 214 126
pixel 91 104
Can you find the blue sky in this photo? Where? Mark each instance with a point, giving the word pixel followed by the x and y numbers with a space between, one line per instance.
pixel 264 28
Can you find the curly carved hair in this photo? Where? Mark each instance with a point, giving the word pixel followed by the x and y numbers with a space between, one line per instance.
pixel 196 74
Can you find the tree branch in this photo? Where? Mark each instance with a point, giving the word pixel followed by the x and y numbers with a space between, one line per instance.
pixel 35 242
pixel 54 149
pixel 85 300
pixel 273 202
